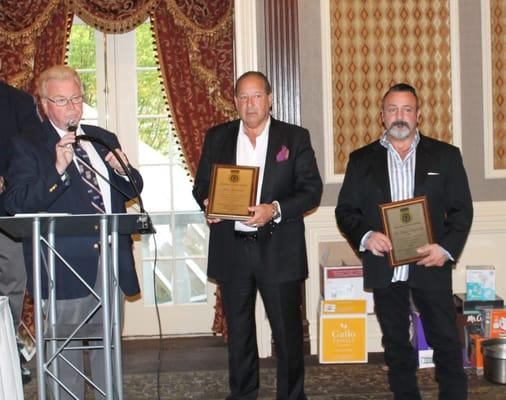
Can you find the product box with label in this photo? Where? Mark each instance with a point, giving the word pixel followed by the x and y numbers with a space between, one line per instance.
pixel 341 274
pixel 480 282
pixel 344 283
pixel 468 324
pixel 424 351
pixel 475 354
pixel 493 322
pixel 342 332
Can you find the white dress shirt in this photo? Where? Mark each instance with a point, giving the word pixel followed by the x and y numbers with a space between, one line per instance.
pixel 97 163
pixel 252 157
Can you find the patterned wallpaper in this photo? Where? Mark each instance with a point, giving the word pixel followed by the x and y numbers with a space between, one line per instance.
pixel 498 47
pixel 376 43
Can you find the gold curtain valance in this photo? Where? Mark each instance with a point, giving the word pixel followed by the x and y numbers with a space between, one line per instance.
pixel 202 18
pixel 113 16
pixel 22 20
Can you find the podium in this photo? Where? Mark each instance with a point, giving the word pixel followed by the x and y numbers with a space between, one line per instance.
pixel 43 229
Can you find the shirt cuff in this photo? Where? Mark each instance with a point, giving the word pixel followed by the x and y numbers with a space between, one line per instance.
pixel 363 241
pixel 278 219
pixel 448 255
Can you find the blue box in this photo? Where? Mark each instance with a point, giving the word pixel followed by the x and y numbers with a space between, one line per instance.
pixel 480 282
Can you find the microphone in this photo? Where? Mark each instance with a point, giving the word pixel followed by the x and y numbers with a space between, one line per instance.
pixel 144 223
pixel 71 126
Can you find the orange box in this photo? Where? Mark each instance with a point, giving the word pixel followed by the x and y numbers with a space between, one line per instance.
pixel 475 354
pixel 342 331
pixel 498 323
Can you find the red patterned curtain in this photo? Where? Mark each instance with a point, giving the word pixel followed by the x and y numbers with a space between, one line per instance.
pixel 195 50
pixel 33 36
pixel 114 16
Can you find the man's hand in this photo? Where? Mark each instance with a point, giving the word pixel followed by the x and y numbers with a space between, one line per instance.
pixel 211 220
pixel 262 214
pixel 64 152
pixel 114 163
pixel 434 255
pixel 378 244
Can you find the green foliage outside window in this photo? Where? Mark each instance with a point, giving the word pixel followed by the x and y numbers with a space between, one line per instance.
pixel 82 57
pixel 151 107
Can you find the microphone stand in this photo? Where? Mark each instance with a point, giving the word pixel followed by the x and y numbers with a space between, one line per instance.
pixel 144 223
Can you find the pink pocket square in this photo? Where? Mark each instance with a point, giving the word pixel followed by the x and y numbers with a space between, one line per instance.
pixel 282 154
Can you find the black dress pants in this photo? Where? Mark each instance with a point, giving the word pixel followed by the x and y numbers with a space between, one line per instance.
pixel 282 303
pixel 437 312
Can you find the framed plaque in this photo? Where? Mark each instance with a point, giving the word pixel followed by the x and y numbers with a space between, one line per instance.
pixel 233 189
pixel 407 225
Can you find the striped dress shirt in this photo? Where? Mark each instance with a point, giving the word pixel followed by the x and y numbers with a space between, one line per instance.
pixel 401 175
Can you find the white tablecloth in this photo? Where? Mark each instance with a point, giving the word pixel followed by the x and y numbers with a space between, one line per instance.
pixel 11 386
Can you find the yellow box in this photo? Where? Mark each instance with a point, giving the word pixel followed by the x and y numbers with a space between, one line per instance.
pixel 342 331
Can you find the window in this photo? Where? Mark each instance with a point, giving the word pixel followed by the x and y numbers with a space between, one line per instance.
pixel 125 66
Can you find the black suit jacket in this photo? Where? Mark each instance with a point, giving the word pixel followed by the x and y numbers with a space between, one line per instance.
pixel 439 175
pixel 18 114
pixel 34 185
pixel 294 182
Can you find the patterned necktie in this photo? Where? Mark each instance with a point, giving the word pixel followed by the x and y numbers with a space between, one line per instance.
pixel 90 179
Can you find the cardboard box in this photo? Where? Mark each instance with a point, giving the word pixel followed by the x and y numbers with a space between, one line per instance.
pixel 467 325
pixel 344 283
pixel 424 351
pixel 338 284
pixel 342 332
pixel 480 282
pixel 493 322
pixel 498 323
pixel 475 354
pixel 468 306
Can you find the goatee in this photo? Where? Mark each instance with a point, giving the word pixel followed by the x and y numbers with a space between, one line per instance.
pixel 399 130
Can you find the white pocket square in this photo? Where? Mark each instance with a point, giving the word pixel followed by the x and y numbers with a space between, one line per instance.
pixel 432 173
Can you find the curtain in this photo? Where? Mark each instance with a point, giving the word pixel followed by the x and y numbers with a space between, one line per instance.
pixel 195 49
pixel 33 36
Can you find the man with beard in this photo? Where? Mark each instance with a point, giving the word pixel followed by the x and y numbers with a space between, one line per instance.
pixel 401 165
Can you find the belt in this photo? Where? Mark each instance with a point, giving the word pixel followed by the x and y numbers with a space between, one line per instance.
pixel 246 235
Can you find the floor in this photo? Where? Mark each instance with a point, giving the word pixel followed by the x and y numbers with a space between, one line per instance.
pixel 196 368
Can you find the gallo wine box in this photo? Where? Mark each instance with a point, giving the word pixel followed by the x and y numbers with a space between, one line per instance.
pixel 342 331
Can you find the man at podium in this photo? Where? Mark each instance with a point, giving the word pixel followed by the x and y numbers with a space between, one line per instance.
pixel 51 171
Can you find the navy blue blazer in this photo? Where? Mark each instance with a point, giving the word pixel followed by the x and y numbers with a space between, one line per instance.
pixel 439 175
pixel 34 185
pixel 18 114
pixel 292 180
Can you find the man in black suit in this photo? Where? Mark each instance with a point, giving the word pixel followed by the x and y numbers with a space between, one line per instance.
pixel 47 174
pixel 268 251
pixel 404 164
pixel 18 114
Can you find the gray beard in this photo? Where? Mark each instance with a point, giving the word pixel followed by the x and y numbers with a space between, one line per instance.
pixel 399 133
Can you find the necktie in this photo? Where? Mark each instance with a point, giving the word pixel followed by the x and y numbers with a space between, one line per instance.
pixel 90 179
